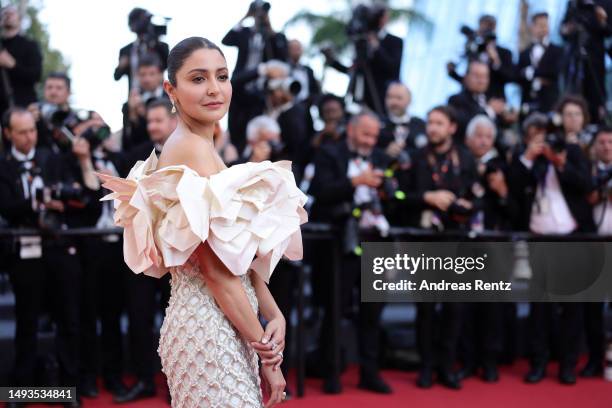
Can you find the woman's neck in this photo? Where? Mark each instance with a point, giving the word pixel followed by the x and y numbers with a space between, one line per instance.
pixel 203 130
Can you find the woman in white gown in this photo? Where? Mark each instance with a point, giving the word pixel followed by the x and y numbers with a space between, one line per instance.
pixel 219 232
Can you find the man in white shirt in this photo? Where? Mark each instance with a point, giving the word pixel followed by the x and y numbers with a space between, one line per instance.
pixel 550 181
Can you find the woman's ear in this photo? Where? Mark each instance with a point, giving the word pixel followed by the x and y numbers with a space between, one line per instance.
pixel 169 90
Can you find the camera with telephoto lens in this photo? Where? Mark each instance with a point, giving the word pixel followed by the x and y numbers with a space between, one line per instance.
pixel 42 194
pixel 63 121
pixel 288 84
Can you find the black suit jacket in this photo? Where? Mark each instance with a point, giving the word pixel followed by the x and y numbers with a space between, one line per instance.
pixel 14 207
pixel 314 88
pixel 504 74
pixel 466 107
pixel 500 76
pixel 384 65
pixel 418 179
pixel 134 133
pixel 575 181
pixel 547 69
pixel 416 126
pixel 161 49
pixel 275 48
pixel 498 212
pixel 26 72
pixel 331 187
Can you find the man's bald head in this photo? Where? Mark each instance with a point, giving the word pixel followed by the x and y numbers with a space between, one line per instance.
pixel 398 99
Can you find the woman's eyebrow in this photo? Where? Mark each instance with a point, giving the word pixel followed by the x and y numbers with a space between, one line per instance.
pixel 206 70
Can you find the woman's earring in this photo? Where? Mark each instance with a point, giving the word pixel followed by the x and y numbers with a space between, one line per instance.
pixel 173 108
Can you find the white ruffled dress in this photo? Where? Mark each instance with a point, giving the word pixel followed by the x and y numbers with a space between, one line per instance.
pixel 250 215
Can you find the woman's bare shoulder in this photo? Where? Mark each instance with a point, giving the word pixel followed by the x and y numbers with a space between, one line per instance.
pixel 188 150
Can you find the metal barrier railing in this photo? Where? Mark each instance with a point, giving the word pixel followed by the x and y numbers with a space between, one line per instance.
pixel 322 231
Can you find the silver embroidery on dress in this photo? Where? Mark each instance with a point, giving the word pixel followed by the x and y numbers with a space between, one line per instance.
pixel 206 361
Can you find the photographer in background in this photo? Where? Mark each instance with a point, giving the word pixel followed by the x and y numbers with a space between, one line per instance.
pixel 538 70
pixel 56 95
pixel 378 56
pixel 473 100
pixel 402 132
pixel 249 97
pixel 36 192
pixel 585 27
pixel 483 323
pixel 499 208
pixel 20 62
pixel 444 178
pixel 575 118
pixel 310 87
pixel 257 43
pixel 550 178
pixel 264 141
pixel 348 176
pixel 333 114
pixel 150 79
pixel 147 42
pixel 293 119
pixel 550 181
pixel 482 46
pixel 69 132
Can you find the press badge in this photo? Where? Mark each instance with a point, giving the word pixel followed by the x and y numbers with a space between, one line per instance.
pixel 30 247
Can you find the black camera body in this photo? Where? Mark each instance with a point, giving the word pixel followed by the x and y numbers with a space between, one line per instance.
pixel 63 121
pixel 141 24
pixel 59 192
pixel 364 20
pixel 556 141
pixel 476 43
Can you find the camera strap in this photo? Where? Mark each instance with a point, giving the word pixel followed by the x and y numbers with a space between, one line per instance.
pixel 440 169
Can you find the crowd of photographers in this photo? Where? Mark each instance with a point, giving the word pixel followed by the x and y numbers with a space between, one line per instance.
pixel 472 164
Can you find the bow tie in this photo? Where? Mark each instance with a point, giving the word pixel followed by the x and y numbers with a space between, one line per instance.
pixel 355 155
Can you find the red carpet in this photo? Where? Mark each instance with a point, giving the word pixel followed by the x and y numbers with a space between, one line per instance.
pixel 509 392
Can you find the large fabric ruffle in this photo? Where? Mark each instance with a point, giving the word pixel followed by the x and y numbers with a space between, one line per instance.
pixel 250 215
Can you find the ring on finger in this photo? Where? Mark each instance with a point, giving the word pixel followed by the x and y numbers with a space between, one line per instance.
pixel 273 344
pixel 280 353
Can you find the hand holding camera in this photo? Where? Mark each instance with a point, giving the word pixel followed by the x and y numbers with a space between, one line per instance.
pixel 534 149
pixel 369 177
pixel 557 158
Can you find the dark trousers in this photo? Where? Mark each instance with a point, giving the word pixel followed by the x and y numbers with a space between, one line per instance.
pixel 438 334
pixel 594 330
pixel 146 296
pixel 282 284
pixel 57 273
pixel 368 318
pixel 102 289
pixel 542 319
pixel 480 340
